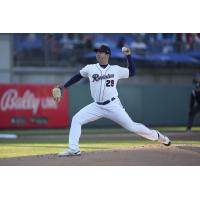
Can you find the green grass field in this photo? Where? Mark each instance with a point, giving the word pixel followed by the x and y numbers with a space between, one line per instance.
pixel 25 147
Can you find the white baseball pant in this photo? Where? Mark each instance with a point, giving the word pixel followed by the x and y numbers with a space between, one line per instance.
pixel 113 111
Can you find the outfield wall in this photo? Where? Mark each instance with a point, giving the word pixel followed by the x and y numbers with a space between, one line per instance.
pixel 156 105
pixel 153 105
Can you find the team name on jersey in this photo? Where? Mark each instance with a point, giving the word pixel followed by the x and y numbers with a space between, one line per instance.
pixel 97 77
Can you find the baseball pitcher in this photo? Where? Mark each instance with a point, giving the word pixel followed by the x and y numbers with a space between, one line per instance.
pixel 103 81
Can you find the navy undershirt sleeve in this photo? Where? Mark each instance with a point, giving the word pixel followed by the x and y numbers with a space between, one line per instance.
pixel 73 80
pixel 131 66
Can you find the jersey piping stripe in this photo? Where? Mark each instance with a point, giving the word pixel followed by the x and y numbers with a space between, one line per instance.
pixel 105 83
pixel 101 81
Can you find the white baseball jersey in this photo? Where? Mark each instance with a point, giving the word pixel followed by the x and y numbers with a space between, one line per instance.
pixel 103 81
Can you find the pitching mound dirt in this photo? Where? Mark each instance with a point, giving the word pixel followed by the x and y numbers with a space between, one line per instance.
pixel 148 155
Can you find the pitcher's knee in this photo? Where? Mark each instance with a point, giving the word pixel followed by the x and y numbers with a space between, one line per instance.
pixel 77 120
pixel 136 128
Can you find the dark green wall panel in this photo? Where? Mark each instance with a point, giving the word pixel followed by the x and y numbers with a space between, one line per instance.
pixel 149 104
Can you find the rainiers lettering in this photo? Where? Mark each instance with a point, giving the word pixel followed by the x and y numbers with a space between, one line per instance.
pixel 97 77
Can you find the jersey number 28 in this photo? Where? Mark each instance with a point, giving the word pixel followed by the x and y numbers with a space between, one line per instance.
pixel 110 83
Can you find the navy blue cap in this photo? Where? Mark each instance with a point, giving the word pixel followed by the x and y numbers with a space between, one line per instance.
pixel 103 48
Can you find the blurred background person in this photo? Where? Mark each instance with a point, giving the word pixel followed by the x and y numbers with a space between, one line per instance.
pixel 138 45
pixel 194 108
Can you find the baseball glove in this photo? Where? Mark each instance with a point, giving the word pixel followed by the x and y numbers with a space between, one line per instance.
pixel 57 93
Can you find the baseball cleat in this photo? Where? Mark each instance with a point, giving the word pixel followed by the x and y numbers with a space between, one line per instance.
pixel 69 152
pixel 167 144
pixel 166 141
pixel 163 139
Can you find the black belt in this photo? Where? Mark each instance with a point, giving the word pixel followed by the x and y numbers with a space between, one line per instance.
pixel 106 102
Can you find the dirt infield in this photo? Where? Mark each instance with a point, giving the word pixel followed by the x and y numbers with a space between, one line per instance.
pixel 146 155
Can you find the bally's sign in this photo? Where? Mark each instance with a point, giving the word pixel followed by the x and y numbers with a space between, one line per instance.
pixel 29 106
